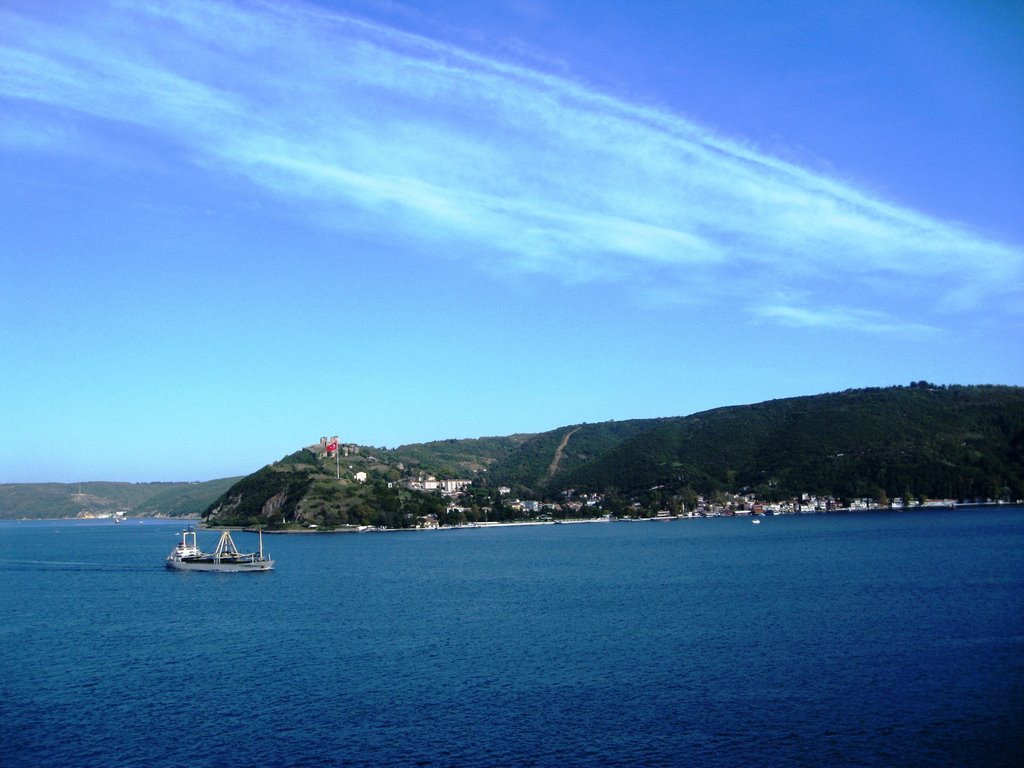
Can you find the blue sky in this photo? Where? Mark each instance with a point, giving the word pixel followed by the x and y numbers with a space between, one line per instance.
pixel 230 228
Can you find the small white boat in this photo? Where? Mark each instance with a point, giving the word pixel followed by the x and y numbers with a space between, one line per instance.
pixel 186 556
pixel 756 521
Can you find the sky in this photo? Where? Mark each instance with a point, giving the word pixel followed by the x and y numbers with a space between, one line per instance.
pixel 230 228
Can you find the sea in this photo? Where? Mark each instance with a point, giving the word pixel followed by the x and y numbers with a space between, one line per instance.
pixel 857 639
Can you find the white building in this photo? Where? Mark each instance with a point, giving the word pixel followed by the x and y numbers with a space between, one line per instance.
pixel 454 486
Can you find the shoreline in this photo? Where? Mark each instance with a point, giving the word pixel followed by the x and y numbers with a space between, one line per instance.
pixel 197 521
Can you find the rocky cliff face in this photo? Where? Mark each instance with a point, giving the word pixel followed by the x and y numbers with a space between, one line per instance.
pixel 267 498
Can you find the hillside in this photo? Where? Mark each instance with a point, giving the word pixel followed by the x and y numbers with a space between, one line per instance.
pixel 54 500
pixel 921 441
pixel 453 458
pixel 302 490
pixel 544 460
pixel 950 442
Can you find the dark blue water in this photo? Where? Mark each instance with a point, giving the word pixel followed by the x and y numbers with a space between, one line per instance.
pixel 877 639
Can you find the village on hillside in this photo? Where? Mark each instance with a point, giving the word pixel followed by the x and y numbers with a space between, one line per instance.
pixel 592 505
pixel 462 505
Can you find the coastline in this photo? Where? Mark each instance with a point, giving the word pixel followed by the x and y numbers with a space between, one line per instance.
pixel 197 521
pixel 372 529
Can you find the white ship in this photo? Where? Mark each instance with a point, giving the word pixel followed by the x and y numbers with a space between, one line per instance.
pixel 186 556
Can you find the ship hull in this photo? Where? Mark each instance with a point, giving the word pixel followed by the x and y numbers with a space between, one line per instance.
pixel 220 567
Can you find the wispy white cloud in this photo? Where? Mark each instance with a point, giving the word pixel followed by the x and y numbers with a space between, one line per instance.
pixel 515 168
pixel 827 317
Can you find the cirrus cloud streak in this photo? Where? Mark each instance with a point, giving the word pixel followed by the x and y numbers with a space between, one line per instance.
pixel 361 125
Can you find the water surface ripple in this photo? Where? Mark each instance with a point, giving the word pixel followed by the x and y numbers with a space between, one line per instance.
pixel 883 639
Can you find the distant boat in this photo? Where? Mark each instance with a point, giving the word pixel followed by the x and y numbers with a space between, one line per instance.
pixel 756 521
pixel 186 556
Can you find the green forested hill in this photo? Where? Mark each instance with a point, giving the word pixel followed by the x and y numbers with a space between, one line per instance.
pixel 302 489
pixel 544 460
pixel 951 442
pixel 454 458
pixel 46 500
pixel 189 500
pixel 923 441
